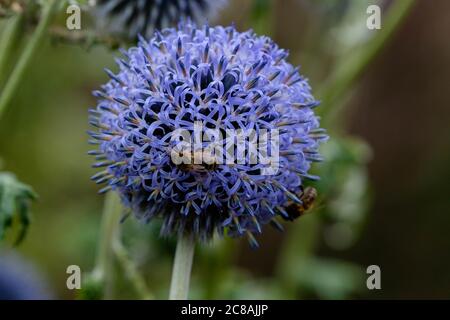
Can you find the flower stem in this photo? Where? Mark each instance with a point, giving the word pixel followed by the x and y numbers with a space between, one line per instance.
pixel 136 279
pixel 7 42
pixel 109 230
pixel 25 59
pixel 182 266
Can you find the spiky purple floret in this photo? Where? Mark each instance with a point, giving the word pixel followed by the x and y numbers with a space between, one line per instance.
pixel 229 80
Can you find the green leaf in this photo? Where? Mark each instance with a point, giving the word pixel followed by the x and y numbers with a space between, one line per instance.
pixel 15 200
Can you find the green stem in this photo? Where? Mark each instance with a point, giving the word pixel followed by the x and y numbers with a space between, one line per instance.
pixel 8 41
pixel 131 271
pixel 109 230
pixel 182 265
pixel 352 67
pixel 25 59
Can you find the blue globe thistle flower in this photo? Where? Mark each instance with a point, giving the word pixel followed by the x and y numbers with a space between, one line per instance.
pixel 226 80
pixel 133 17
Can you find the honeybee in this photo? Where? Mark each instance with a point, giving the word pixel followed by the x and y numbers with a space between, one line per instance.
pixel 208 162
pixel 295 210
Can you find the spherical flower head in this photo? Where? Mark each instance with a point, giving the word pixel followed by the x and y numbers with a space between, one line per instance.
pixel 229 82
pixel 132 17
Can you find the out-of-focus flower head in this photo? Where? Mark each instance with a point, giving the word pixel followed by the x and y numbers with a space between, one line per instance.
pixel 226 80
pixel 19 280
pixel 132 17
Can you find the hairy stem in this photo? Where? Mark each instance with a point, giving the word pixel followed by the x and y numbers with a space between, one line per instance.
pixel 24 61
pixel 136 279
pixel 182 265
pixel 84 38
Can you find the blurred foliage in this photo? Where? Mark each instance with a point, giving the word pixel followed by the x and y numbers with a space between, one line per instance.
pixel 345 186
pixel 329 279
pixel 91 289
pixel 337 218
pixel 346 25
pixel 261 17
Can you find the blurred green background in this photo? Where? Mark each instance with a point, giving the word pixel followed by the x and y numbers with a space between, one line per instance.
pixel 385 190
